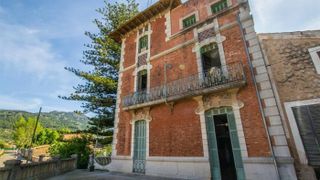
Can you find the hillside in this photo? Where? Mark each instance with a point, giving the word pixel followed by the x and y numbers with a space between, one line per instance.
pixel 54 120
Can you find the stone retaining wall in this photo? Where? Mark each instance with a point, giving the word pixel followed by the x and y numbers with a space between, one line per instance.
pixel 14 170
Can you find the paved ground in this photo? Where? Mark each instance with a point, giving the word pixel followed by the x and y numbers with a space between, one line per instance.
pixel 6 156
pixel 102 175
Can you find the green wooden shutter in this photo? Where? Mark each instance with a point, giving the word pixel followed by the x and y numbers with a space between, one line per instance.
pixel 143 43
pixel 189 21
pixel 219 6
pixel 236 147
pixel 308 121
pixel 212 147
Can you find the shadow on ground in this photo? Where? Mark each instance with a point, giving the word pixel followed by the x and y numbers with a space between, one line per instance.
pixel 101 175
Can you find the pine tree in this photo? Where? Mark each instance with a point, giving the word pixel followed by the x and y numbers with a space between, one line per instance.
pixel 103 55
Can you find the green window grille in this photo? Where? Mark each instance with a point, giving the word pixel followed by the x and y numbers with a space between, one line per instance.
pixel 208 48
pixel 143 43
pixel 189 21
pixel 219 6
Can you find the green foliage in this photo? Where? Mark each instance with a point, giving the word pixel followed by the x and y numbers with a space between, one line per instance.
pixel 102 55
pixel 64 122
pixel 79 146
pixel 53 120
pixel 107 150
pixel 47 136
pixel 23 131
pixel 4 145
pixel 64 131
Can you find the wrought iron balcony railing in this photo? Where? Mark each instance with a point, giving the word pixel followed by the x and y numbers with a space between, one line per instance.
pixel 229 76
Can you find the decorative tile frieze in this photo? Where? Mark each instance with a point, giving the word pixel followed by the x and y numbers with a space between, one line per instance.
pixel 206 34
pixel 142 60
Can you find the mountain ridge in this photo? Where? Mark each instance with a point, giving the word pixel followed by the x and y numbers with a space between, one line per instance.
pixel 52 119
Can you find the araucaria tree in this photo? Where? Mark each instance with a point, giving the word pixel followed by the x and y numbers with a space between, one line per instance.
pixel 98 93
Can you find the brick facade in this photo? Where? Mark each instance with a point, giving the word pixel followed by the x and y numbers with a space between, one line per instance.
pixel 176 133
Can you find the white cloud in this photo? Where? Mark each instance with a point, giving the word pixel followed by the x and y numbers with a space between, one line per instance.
pixel 23 51
pixel 264 11
pixel 11 103
pixel 281 15
pixel 314 24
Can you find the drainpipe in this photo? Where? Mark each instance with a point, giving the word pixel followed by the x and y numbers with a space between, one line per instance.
pixel 258 95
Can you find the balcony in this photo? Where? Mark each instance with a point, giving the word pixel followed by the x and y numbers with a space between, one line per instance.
pixel 217 79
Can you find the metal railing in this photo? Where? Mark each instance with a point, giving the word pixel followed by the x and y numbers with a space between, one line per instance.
pixel 194 84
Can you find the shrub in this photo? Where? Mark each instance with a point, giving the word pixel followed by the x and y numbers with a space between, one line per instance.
pixel 79 146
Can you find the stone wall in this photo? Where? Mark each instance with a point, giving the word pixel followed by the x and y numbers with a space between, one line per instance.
pixel 14 170
pixel 292 68
pixel 294 77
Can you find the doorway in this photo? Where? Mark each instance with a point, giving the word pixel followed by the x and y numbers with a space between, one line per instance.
pixel 226 160
pixel 139 151
pixel 223 145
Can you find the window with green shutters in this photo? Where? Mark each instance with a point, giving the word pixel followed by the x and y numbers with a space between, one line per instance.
pixel 189 21
pixel 219 6
pixel 143 43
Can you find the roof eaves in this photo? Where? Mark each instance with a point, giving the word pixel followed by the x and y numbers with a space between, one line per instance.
pixel 142 17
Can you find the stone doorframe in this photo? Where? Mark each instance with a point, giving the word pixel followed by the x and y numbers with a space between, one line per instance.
pixel 137 115
pixel 223 99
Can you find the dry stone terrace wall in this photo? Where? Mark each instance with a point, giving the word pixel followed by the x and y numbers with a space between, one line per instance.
pixel 14 170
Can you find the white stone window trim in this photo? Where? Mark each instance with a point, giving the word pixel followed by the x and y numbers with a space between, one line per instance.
pixel 214 2
pixel 147 67
pixel 147 137
pixel 118 102
pixel 294 126
pixel 215 39
pixel 196 13
pixel 236 106
pixel 315 57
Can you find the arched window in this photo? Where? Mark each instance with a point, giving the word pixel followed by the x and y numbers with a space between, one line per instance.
pixel 210 57
pixel 142 80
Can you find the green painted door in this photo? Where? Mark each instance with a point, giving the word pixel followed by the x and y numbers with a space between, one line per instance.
pixel 139 151
pixel 213 118
pixel 212 147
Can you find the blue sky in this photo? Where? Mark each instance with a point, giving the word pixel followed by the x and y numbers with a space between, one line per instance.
pixel 38 38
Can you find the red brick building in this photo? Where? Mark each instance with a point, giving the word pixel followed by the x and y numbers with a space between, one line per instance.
pixel 194 98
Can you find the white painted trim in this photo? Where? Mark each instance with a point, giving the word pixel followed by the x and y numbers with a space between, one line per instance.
pixel 168 25
pixel 147 135
pixel 177 159
pixel 203 127
pixel 217 39
pixel 118 101
pixel 294 127
pixel 315 57
pixel 196 13
pixel 147 67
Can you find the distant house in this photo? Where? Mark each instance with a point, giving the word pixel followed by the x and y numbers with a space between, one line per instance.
pixel 293 61
pixel 194 96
